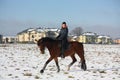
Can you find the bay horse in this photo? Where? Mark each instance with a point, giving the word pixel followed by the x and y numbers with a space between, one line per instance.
pixel 53 46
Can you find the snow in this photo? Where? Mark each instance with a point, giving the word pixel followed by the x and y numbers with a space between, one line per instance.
pixel 51 29
pixel 103 37
pixel 31 29
pixel 89 34
pixel 24 62
pixel 39 30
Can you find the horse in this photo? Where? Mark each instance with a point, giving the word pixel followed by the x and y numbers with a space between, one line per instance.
pixel 53 47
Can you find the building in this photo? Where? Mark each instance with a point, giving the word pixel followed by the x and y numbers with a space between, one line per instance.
pixel 51 32
pixel 31 34
pixel 9 39
pixel 1 37
pixel 72 38
pixel 87 37
pixel 23 36
pixel 93 38
pixel 104 40
pixel 39 34
pixel 117 41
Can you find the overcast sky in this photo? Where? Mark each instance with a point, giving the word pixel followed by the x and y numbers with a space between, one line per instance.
pixel 100 16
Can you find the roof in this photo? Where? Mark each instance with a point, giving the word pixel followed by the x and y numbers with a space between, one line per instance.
pixel 89 33
pixel 40 29
pixel 51 29
pixel 103 37
pixel 25 31
pixel 75 36
pixel 31 29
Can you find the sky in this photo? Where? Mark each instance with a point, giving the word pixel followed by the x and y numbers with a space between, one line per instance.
pixel 99 16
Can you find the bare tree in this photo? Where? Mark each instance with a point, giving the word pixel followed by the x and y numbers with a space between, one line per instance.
pixel 77 31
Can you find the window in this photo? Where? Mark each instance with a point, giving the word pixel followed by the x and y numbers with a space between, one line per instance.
pixel 32 36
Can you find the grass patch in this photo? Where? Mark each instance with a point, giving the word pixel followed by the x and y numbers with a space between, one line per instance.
pixel 37 77
pixel 16 76
pixel 71 77
pixel 9 74
pixel 102 76
pixel 65 72
pixel 102 71
pixel 28 74
pixel 17 69
pixel 94 71
pixel 113 78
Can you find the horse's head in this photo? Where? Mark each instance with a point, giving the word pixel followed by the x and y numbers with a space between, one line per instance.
pixel 41 45
pixel 44 42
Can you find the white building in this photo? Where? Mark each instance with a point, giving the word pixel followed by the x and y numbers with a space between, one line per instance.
pixel 104 40
pixel 32 34
pixel 88 37
pixel 9 39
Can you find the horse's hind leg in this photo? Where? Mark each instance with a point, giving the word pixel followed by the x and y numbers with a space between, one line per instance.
pixel 83 64
pixel 42 71
pixel 73 61
pixel 56 61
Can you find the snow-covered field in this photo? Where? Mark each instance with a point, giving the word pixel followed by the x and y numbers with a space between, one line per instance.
pixel 24 62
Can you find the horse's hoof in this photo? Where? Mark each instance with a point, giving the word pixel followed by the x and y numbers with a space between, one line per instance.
pixel 84 67
pixel 42 71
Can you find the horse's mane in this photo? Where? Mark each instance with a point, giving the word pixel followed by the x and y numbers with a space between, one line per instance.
pixel 49 39
pixel 46 39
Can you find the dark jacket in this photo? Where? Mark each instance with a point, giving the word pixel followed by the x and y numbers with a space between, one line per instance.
pixel 63 34
pixel 63 37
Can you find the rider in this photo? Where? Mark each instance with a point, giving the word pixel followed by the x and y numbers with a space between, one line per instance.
pixel 63 37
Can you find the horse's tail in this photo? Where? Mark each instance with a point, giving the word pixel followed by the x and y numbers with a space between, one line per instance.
pixel 82 47
pixel 83 63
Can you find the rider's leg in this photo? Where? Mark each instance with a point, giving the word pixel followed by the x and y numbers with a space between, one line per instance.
pixel 62 49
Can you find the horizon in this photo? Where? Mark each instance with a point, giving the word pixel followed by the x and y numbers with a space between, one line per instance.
pixel 98 16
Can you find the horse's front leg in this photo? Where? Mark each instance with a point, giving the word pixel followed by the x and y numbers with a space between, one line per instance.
pixel 42 71
pixel 73 61
pixel 56 61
